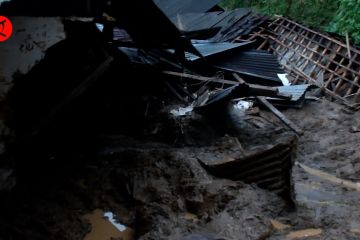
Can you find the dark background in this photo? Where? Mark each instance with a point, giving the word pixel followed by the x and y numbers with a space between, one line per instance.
pixel 85 8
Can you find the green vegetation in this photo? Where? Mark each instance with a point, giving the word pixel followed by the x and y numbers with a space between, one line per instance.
pixel 338 16
pixel 347 19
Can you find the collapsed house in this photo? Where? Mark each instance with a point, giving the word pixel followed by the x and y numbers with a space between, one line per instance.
pixel 208 78
pixel 312 57
pixel 184 75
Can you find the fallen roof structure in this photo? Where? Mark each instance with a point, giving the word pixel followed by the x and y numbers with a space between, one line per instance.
pixel 201 67
pixel 259 64
pixel 176 7
pixel 176 128
pixel 312 57
pixel 142 30
pixel 220 26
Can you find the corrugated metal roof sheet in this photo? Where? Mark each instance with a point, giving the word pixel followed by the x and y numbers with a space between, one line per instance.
pixel 208 49
pixel 152 57
pixel 198 21
pixel 121 35
pixel 189 22
pixel 255 63
pixel 296 91
pixel 240 22
pixel 230 24
pixel 148 26
pixel 233 16
pixel 118 33
pixel 174 7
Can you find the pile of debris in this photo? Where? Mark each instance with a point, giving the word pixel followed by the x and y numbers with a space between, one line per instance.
pixel 312 57
pixel 194 70
pixel 174 98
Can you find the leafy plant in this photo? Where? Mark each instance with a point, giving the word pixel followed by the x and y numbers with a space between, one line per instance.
pixel 347 19
pixel 339 16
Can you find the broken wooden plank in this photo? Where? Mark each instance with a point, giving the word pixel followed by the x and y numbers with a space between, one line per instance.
pixel 259 90
pixel 311 232
pixel 200 78
pixel 329 177
pixel 254 90
pixel 238 78
pixel 348 44
pixel 279 225
pixel 281 116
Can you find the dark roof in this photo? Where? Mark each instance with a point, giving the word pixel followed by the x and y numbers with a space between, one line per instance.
pixel 229 24
pixel 208 49
pixel 174 7
pixel 255 63
pixel 189 22
pixel 222 21
pixel 240 22
pixel 296 91
pixel 148 26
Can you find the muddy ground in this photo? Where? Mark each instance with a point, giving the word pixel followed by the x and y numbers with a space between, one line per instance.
pixel 162 192
pixel 330 144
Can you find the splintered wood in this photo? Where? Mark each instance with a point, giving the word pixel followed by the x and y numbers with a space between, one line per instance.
pixel 313 57
pixel 311 232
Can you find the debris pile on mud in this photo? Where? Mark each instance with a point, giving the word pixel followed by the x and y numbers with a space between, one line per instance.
pixel 188 131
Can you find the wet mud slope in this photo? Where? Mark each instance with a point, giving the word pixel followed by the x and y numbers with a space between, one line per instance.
pixel 326 172
pixel 162 192
pixel 121 157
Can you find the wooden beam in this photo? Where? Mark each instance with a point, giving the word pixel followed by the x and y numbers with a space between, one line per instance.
pixel 348 44
pixel 254 90
pixel 281 116
pixel 238 78
pixel 199 78
pixel 329 177
pixel 259 90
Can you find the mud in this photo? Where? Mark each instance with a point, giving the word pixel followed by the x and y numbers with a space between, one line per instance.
pixel 330 145
pixel 162 192
pixel 153 190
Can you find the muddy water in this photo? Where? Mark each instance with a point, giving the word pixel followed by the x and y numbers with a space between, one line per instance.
pixel 105 227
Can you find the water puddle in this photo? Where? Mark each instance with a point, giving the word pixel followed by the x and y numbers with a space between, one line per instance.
pixel 105 227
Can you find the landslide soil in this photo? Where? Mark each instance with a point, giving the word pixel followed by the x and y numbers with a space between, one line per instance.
pixel 162 192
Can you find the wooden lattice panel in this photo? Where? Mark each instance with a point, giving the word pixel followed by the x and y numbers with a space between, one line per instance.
pixel 313 57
